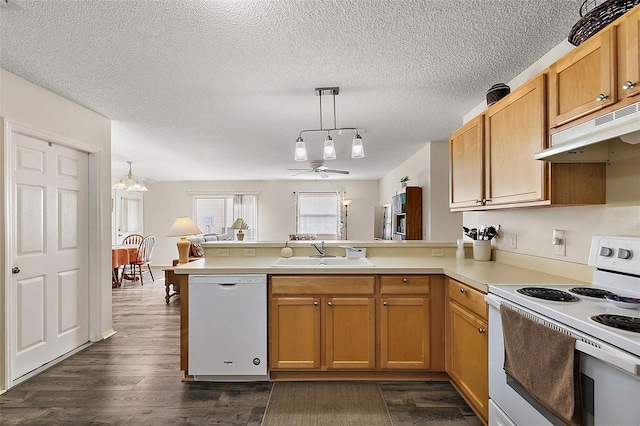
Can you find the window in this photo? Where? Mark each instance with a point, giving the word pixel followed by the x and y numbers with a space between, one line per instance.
pixel 214 214
pixel 318 213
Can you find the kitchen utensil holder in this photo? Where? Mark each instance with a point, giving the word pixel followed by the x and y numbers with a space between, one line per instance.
pixel 482 250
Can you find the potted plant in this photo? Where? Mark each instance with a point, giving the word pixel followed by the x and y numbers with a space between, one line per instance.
pixel 404 181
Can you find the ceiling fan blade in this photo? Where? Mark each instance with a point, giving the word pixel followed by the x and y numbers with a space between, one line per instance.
pixel 344 172
pixel 301 173
pixel 323 174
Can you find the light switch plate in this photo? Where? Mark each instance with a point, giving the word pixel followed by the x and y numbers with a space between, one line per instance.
pixel 437 252
pixel 222 252
pixel 249 252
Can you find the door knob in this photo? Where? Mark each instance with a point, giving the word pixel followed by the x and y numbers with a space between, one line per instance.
pixel 15 270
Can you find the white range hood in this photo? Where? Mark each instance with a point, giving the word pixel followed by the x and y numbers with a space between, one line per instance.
pixel 593 140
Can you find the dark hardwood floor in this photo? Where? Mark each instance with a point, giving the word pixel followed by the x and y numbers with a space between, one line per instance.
pixel 134 378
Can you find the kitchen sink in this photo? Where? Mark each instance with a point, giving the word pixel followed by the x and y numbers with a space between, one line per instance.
pixel 331 262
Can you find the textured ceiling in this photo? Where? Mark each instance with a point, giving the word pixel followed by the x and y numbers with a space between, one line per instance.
pixel 215 90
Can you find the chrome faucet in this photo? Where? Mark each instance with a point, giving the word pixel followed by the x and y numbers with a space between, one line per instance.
pixel 321 250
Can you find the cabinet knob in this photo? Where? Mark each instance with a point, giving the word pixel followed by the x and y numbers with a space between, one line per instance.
pixel 315 303
pixel 463 291
pixel 628 85
pixel 601 97
pixel 488 200
pixel 482 330
pixel 384 303
pixel 330 303
pixel 478 201
pixel 405 280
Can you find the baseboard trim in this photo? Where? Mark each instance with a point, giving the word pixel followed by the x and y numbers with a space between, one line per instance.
pixel 108 334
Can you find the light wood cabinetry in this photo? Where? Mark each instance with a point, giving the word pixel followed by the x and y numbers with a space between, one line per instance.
pixel 467 345
pixel 628 37
pixel 407 214
pixel 506 175
pixel 466 165
pixel 312 326
pixel 584 80
pixel 379 326
pixel 405 322
pixel 515 131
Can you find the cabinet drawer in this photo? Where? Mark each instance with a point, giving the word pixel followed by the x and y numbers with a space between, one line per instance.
pixel 404 284
pixel 321 285
pixel 471 299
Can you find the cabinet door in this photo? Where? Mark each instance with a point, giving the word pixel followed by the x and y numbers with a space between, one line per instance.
pixel 295 332
pixel 469 356
pixel 515 131
pixel 350 333
pixel 466 172
pixel 629 54
pixel 583 81
pixel 404 333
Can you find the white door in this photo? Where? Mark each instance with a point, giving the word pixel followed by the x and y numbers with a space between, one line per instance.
pixel 49 252
pixel 127 214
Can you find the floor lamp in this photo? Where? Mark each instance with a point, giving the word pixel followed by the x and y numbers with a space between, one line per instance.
pixel 346 203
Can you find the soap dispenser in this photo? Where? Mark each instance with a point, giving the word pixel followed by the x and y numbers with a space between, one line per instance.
pixel 286 251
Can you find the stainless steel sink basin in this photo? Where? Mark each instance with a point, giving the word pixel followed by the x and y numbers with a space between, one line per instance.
pixel 330 262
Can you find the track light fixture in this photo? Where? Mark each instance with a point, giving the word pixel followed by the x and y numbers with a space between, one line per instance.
pixel 329 151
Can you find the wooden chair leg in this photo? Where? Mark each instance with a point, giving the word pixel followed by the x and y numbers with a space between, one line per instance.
pixel 150 272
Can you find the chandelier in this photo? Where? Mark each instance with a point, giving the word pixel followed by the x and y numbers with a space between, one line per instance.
pixel 329 151
pixel 130 182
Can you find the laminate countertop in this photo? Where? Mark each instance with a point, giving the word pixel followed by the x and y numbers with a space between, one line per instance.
pixel 477 274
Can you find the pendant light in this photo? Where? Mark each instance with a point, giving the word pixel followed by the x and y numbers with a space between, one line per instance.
pixel 357 149
pixel 329 149
pixel 130 182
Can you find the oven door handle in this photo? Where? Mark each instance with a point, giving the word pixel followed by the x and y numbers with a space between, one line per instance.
pixel 626 363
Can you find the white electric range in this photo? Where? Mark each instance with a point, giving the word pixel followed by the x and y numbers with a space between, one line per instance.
pixel 607 338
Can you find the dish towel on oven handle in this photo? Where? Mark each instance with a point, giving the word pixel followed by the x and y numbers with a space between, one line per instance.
pixel 544 362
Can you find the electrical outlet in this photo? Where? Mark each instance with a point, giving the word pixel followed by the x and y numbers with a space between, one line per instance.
pixel 437 252
pixel 560 249
pixel 222 252
pixel 513 241
pixel 249 252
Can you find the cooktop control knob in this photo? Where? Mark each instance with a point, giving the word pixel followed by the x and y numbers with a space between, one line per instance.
pixel 606 252
pixel 624 254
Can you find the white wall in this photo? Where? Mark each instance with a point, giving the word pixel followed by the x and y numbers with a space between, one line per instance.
pixel 27 104
pixel 276 209
pixel 428 168
pixel 534 226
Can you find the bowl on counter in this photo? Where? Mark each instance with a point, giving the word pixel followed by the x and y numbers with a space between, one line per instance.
pixel 623 302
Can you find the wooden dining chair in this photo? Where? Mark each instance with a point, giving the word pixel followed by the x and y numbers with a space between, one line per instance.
pixel 145 250
pixel 133 239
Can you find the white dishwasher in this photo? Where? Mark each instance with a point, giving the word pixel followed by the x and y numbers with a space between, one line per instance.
pixel 228 327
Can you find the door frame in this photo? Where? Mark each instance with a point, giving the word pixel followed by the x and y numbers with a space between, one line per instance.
pixel 97 239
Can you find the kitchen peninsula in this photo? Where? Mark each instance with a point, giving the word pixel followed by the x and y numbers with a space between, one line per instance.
pixel 404 313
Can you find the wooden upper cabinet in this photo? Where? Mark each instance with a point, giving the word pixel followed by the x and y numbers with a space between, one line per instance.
pixel 466 171
pixel 628 36
pixel 584 80
pixel 515 130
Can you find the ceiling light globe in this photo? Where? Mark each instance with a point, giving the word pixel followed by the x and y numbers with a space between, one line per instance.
pixel 300 153
pixel 329 149
pixel 357 148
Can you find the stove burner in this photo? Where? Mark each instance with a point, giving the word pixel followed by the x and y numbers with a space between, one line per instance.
pixel 548 294
pixel 590 291
pixel 619 321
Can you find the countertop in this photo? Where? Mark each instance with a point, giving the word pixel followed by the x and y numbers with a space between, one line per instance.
pixel 476 274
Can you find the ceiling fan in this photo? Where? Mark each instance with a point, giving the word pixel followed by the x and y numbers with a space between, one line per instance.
pixel 319 168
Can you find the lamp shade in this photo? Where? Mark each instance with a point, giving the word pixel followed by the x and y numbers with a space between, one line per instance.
pixel 329 149
pixel 357 148
pixel 183 226
pixel 346 202
pixel 300 151
pixel 239 224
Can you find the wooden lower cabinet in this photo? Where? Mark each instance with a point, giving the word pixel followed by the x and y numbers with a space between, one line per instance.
pixel 404 333
pixel 467 346
pixel 360 325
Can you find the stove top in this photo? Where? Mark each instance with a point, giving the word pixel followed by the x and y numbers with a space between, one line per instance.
pixel 619 321
pixel 548 294
pixel 598 293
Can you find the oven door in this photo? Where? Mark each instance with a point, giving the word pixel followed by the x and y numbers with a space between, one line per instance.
pixel 609 394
